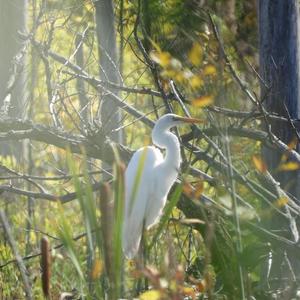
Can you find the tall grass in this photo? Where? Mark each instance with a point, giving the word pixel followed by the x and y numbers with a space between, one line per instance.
pixel 178 261
pixel 103 228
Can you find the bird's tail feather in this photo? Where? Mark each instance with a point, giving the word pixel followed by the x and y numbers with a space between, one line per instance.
pixel 131 239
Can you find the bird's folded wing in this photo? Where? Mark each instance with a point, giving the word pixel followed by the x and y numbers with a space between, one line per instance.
pixel 139 187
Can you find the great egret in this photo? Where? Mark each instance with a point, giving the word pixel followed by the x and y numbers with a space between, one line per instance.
pixel 148 179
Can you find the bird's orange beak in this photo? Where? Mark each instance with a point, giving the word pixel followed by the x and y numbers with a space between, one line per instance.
pixel 188 120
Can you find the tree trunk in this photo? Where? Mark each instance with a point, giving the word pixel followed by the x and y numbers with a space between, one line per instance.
pixel 110 114
pixel 279 68
pixel 12 83
pixel 109 70
pixel 12 14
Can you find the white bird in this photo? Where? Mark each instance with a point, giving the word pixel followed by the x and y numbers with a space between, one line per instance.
pixel 148 179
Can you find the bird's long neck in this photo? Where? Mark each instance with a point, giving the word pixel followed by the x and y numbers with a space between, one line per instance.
pixel 173 157
pixel 169 141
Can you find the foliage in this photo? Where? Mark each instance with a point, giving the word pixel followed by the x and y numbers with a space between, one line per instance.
pixel 214 238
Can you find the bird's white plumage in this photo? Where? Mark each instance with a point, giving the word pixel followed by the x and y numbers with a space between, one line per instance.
pixel 134 218
pixel 144 201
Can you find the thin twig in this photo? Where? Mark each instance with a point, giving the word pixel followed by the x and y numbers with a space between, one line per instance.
pixel 45 196
pixel 28 257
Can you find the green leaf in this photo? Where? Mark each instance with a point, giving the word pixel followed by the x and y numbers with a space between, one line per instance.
pixel 168 210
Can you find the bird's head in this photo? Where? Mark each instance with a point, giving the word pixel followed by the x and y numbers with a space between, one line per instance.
pixel 165 123
pixel 170 120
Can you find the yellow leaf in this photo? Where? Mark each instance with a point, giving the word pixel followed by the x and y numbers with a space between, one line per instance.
pixel 293 143
pixel 201 286
pixel 189 291
pixel 284 158
pixel 179 76
pixel 259 164
pixel 150 295
pixel 170 73
pixel 187 189
pixel 88 5
pixel 192 192
pixel 281 201
pixel 199 189
pixel 195 55
pixel 203 101
pixel 196 82
pixel 131 264
pixel 289 166
pixel 97 269
pixel 77 19
pixel 162 58
pixel 204 35
pixel 210 70
pixel 165 58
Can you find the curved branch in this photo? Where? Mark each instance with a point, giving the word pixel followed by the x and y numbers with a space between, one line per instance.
pixel 253 134
pixel 45 196
pixel 97 146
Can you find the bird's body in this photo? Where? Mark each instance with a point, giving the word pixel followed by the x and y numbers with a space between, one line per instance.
pixel 148 180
